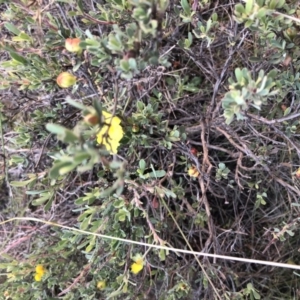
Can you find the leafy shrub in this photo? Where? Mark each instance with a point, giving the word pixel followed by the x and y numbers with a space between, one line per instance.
pixel 133 131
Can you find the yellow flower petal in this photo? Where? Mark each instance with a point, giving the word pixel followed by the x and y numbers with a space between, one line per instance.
pixel 38 277
pixel 111 133
pixel 40 270
pixel 104 138
pixel 110 119
pixel 136 268
pixel 116 132
pixel 106 115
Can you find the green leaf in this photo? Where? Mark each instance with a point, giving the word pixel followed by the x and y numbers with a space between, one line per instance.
pixel 91 245
pixel 33 192
pixel 238 74
pixel 48 204
pixel 22 183
pixel 272 4
pixel 107 192
pixel 55 170
pixel 119 190
pixel 289 232
pixel 54 128
pixel 120 216
pixel 142 165
pixel 208 25
pixel 114 294
pixel 248 23
pixel 118 203
pixel 249 6
pixel 79 157
pixel 186 7
pixel 115 165
pixel 75 103
pixel 162 255
pixel 69 137
pixel 67 169
pixel 22 37
pixel 132 63
pixel 262 12
pixel 263 202
pixel 80 6
pixel 12 28
pixel 287 111
pixel 45 196
pixel 222 166
pixel 86 222
pixel 256 295
pixel 124 64
pixel 18 58
pixel 140 105
pixel 155 174
pixel 164 192
pixel 190 38
pixel 87 167
pixel 63 133
pixel 214 17
pixel 115 44
pixel 239 8
pixel 98 107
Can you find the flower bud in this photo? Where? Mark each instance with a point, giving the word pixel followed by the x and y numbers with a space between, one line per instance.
pixel 135 128
pixel 65 80
pixel 194 151
pixel 298 173
pixel 290 33
pixel 72 45
pixel 101 285
pixel 91 119
pixel 193 172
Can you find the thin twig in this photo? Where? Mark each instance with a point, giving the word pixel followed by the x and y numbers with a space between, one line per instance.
pixel 274 121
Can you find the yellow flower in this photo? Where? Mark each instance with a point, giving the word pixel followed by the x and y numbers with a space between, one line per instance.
pixel 138 265
pixel 38 277
pixel 193 172
pixel 111 132
pixel 65 80
pixel 136 268
pixel 101 285
pixel 40 270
